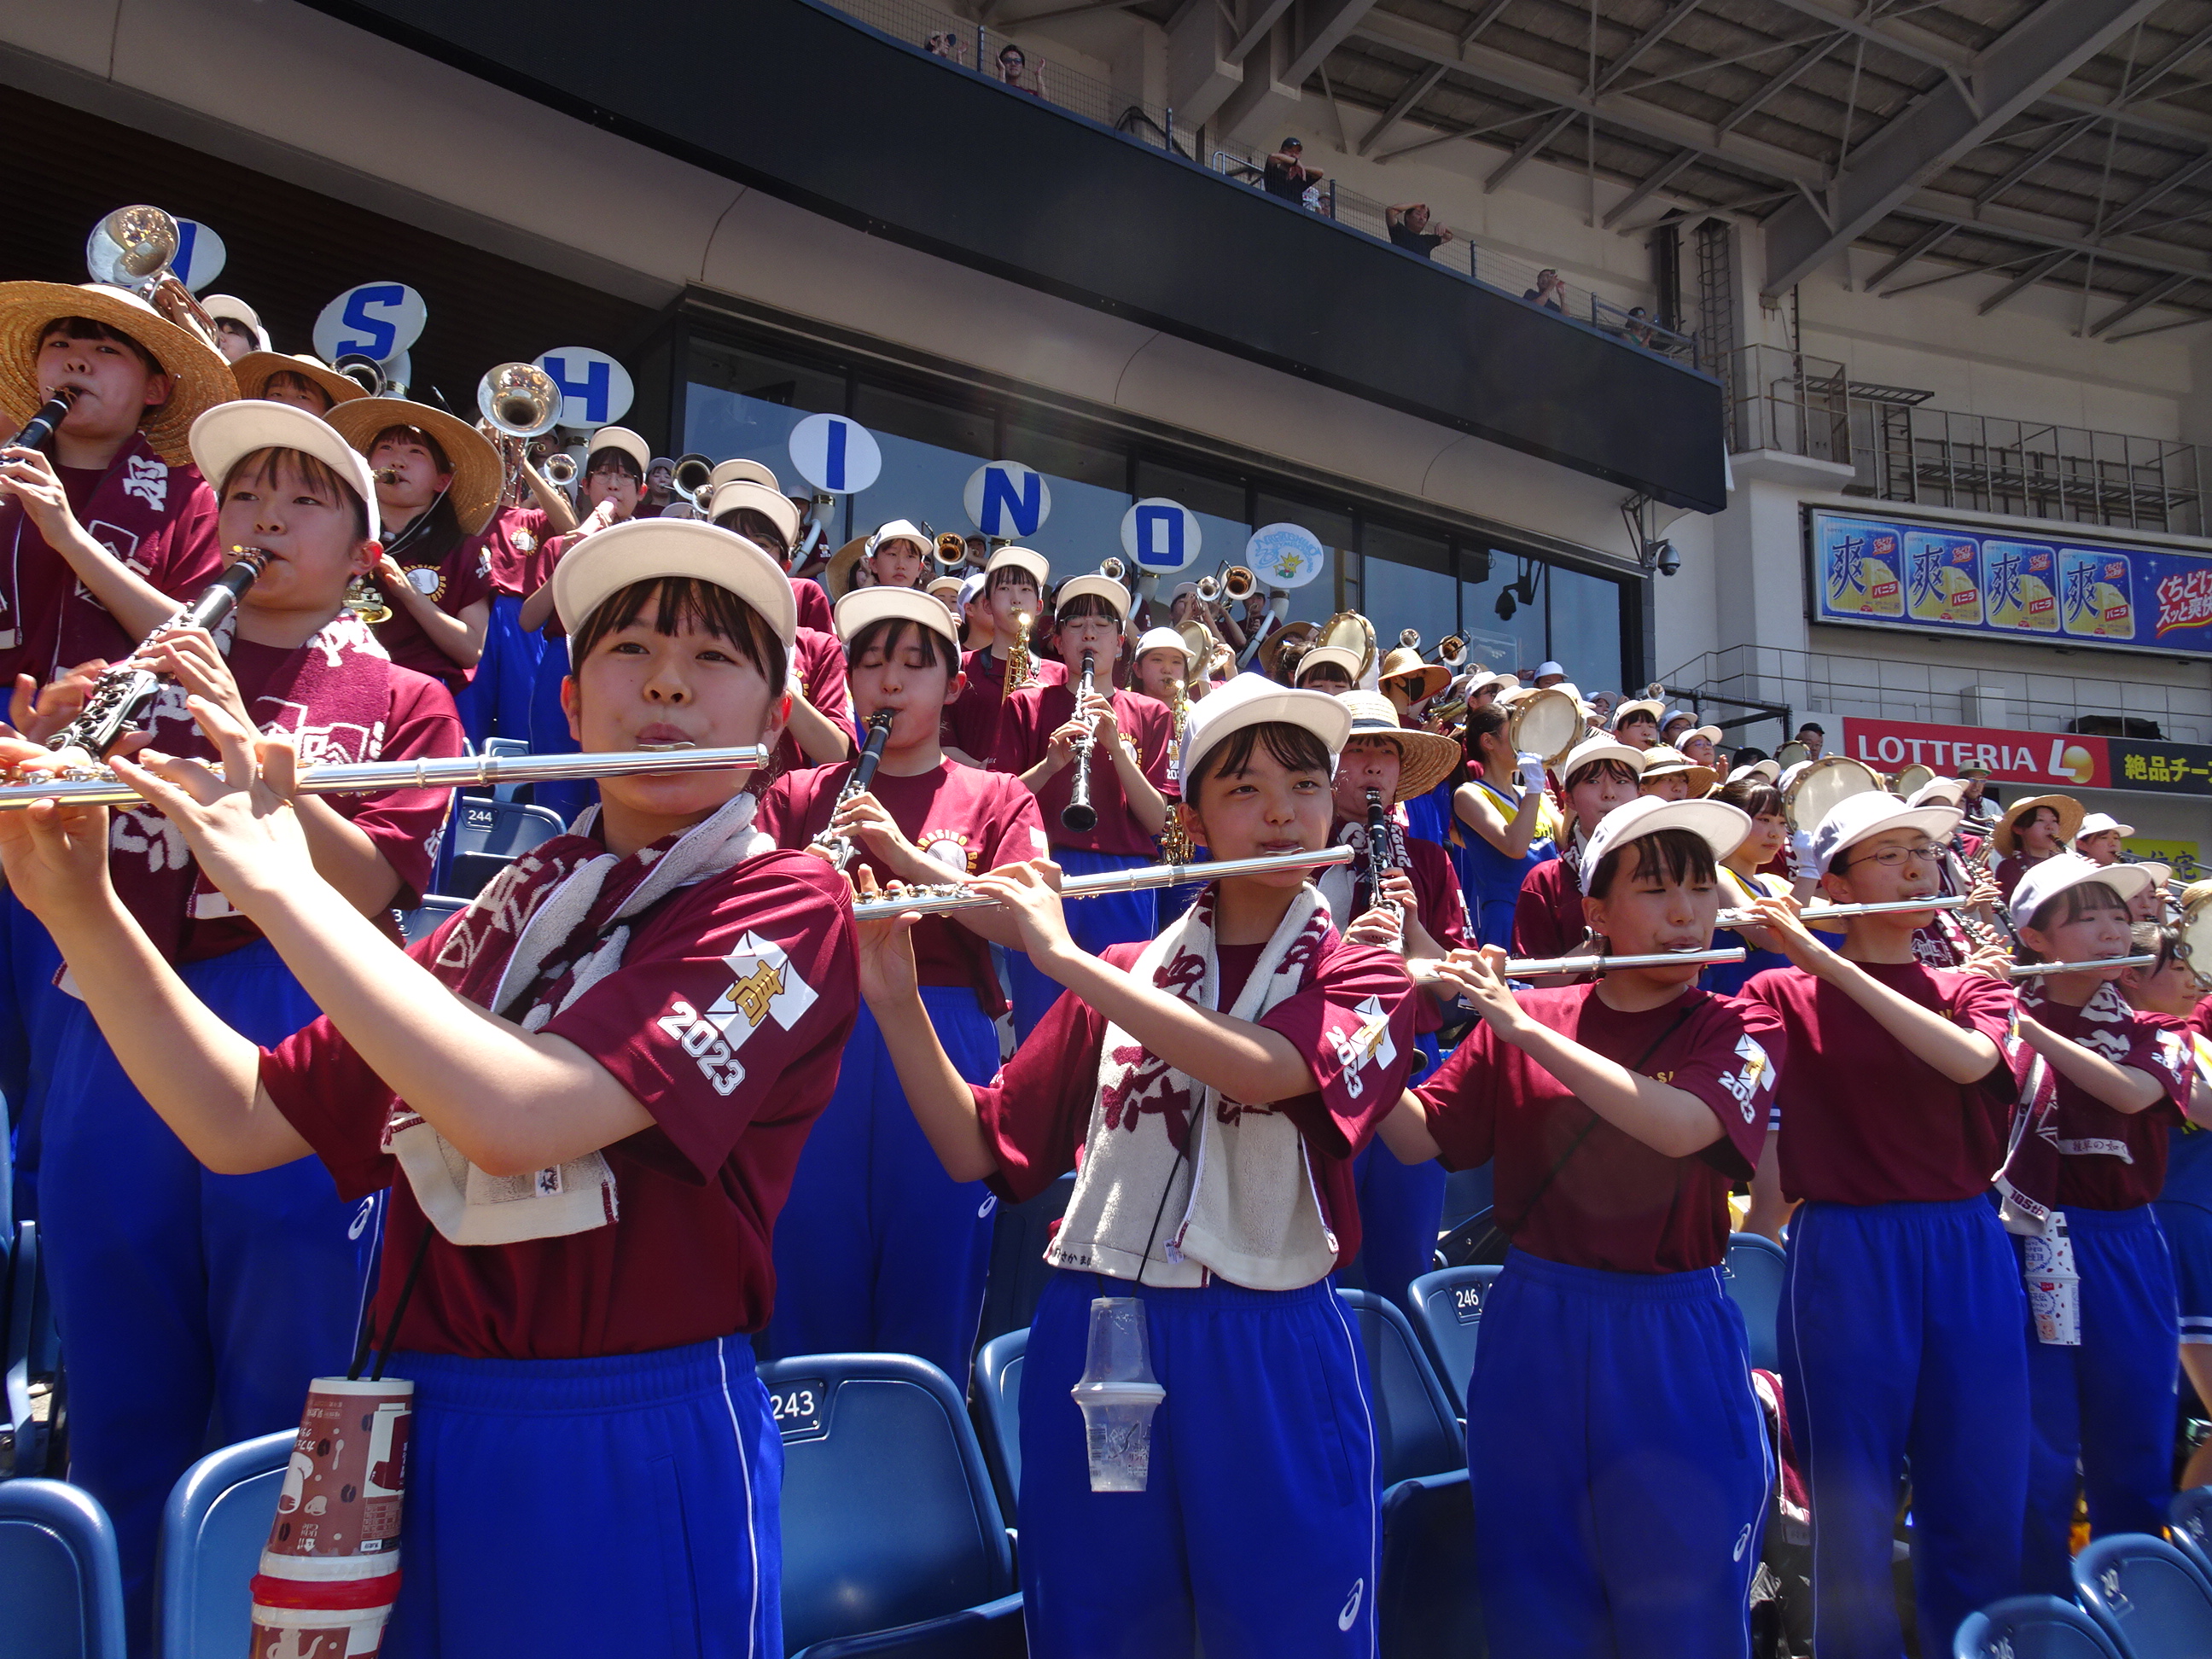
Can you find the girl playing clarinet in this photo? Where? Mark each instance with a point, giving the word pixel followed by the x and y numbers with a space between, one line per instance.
pixel 1618 1455
pixel 586 1094
pixel 878 1249
pixel 1210 1088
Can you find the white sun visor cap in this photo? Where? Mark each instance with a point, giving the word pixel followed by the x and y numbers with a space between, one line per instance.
pixel 225 435
pixel 604 564
pixel 866 606
pixel 1720 826
pixel 222 306
pixel 1855 817
pixel 2098 823
pixel 1255 700
pixel 902 530
pixel 621 438
pixel 1938 792
pixel 1591 750
pixel 2045 881
pixel 1165 639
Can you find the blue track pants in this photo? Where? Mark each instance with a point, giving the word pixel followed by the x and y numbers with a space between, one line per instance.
pixel 496 703
pixel 1900 1337
pixel 1619 1465
pixel 549 735
pixel 877 1250
pixel 1094 923
pixel 1257 1531
pixel 32 1017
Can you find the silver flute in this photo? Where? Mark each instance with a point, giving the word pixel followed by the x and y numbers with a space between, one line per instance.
pixel 1814 913
pixel 103 788
pixel 942 899
pixel 1533 967
pixel 2017 970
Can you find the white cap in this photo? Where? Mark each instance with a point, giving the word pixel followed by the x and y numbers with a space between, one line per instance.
pixel 2045 881
pixel 1254 699
pixel 224 435
pixel 740 471
pixel 1104 587
pixel 1722 827
pixel 1020 558
pixel 1165 639
pixel 771 504
pixel 1544 668
pixel 866 606
pixel 1765 770
pixel 1939 791
pixel 1647 707
pixel 1855 817
pixel 901 530
pixel 2098 823
pixel 621 438
pixel 970 585
pixel 642 549
pixel 1348 660
pixel 222 306
pixel 1590 750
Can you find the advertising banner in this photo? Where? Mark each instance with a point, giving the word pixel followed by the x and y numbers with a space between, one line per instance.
pixel 1884 570
pixel 2049 760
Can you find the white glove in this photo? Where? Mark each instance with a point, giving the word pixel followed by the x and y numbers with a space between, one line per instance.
pixel 1532 770
pixel 1800 848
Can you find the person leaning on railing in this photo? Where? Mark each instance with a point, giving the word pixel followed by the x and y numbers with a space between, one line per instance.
pixel 1410 229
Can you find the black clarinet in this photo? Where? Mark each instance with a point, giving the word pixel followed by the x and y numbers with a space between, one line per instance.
pixel 121 693
pixel 1381 846
pixel 1079 814
pixel 50 416
pixel 879 731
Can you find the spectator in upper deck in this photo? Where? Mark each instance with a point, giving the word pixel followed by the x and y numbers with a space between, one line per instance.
pixel 1013 64
pixel 1413 227
pixel 1550 292
pixel 1287 175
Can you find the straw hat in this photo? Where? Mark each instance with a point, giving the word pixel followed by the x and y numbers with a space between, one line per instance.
pixel 1271 651
pixel 479 475
pixel 838 577
pixel 256 369
pixel 1404 663
pixel 1661 761
pixel 1429 758
pixel 199 378
pixel 2006 836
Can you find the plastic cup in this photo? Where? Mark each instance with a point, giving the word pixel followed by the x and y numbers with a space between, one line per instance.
pixel 2054 1300
pixel 317 1632
pixel 1117 1394
pixel 342 1491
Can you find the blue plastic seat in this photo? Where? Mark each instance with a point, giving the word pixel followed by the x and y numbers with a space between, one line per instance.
pixel 212 1530
pixel 61 1584
pixel 425 919
pixel 1448 1313
pixel 1416 1431
pixel 1019 1275
pixel 1428 1604
pixel 892 1540
pixel 997 1389
pixel 33 1358
pixel 1752 1276
pixel 2189 1515
pixel 2147 1595
pixel 488 834
pixel 2030 1628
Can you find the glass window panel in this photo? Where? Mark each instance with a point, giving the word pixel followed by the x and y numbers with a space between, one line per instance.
pixel 1508 645
pixel 929 451
pixel 1089 496
pixel 1318 600
pixel 1217 501
pixel 741 405
pixel 1585 619
pixel 1407 584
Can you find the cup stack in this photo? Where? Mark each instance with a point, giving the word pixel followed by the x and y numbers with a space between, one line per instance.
pixel 331 1571
pixel 2053 1284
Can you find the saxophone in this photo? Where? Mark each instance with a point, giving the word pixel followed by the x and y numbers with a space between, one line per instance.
pixel 1017 654
pixel 1174 840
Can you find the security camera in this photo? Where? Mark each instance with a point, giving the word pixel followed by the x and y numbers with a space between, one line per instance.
pixel 1508 601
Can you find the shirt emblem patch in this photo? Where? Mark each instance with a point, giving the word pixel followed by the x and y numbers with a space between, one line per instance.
pixel 763 985
pixel 1365 1044
pixel 147 479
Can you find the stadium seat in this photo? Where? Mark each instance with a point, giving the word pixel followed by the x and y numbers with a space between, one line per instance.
pixel 61 1585
pixel 2032 1627
pixel 424 918
pixel 893 1543
pixel 1475 1242
pixel 1753 1275
pixel 212 1530
pixel 32 1357
pixel 1020 1233
pixel 1416 1431
pixel 489 834
pixel 2146 1595
pixel 997 1387
pixel 1448 1312
pixel 2189 1515
pixel 1427 1605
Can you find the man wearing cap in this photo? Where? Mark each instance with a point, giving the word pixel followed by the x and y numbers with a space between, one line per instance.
pixel 878 1249
pixel 1286 175
pixel 2098 838
pixel 437 482
pixel 1044 731
pixel 743 495
pixel 1599 774
pixel 2033 828
pixel 1400 895
pixel 1903 1317
pixel 659 488
pixel 101 541
pixel 1013 589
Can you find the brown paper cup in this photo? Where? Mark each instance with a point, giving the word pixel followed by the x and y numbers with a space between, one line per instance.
pixel 341 1496
pixel 316 1633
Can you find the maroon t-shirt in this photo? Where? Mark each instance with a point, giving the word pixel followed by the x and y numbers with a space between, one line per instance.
pixel 452 580
pixel 1864 1119
pixel 1548 917
pixel 1614 1203
pixel 819 662
pixel 2010 869
pixel 815 611
pixel 699 1191
pixel 519 540
pixel 1026 723
pixel 968 820
pixel 1036 1112
pixel 158 519
pixel 971 725
pixel 2115 1160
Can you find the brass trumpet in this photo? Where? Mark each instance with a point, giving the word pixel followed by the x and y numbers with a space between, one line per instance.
pixel 560 468
pixel 131 249
pixel 693 478
pixel 950 553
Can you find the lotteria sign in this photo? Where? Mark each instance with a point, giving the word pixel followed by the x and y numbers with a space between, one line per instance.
pixel 2049 760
